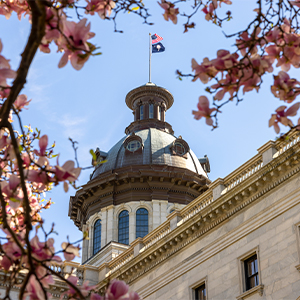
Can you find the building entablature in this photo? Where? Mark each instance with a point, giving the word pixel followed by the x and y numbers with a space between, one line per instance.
pixel 276 163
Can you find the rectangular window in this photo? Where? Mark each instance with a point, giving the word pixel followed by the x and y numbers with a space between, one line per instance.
pixel 297 231
pixel 251 272
pixel 200 292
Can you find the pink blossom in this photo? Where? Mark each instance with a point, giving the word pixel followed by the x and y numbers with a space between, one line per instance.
pixel 75 46
pixel 117 290
pixel 205 72
pixel 134 296
pixel 209 11
pixel 5 71
pixel 204 110
pixel 12 253
pixel 282 115
pixel 21 102
pixel 70 251
pixel 102 7
pixel 285 88
pixel 66 172
pixel 54 25
pixel 43 143
pixel 95 296
pixel 34 290
pixel 170 11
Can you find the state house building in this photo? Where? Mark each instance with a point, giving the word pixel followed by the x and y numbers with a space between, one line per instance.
pixel 157 222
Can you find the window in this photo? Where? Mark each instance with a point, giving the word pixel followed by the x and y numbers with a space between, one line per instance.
pixel 133 145
pixel 297 231
pixel 251 272
pixel 200 292
pixel 179 148
pixel 97 237
pixel 141 222
pixel 123 232
pixel 150 111
pixel 141 112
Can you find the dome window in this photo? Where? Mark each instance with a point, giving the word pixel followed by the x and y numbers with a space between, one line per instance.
pixel 180 147
pixel 133 144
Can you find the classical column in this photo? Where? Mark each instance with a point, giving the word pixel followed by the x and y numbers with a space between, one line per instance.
pixel 110 223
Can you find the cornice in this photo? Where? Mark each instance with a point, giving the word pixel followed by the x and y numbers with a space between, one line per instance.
pixel 149 91
pixel 146 181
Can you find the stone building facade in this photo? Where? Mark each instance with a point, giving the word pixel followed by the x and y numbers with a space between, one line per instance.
pixel 235 238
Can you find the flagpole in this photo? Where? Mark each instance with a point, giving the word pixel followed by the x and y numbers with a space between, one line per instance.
pixel 150 52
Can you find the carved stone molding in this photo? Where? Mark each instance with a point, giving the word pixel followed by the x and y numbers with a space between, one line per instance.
pixel 256 290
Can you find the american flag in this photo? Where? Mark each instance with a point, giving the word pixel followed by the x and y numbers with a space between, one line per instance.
pixel 156 38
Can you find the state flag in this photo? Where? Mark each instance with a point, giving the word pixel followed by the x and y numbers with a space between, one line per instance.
pixel 158 48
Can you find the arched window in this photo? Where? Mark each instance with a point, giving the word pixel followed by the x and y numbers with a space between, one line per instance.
pixel 141 112
pixel 151 111
pixel 97 237
pixel 123 232
pixel 141 222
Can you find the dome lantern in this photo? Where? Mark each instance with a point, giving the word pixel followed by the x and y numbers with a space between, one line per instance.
pixel 149 104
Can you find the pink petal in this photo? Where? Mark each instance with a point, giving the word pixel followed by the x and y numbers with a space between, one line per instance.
pixel 292 111
pixel 43 143
pixel 68 165
pixel 13 181
pixel 64 60
pixel 66 186
pixel 95 296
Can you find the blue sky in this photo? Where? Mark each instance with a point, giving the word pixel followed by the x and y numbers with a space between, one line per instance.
pixel 89 105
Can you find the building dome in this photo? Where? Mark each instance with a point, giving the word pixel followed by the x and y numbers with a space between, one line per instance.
pixel 149 165
pixel 156 148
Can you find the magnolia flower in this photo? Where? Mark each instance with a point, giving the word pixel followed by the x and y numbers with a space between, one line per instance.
pixel 66 172
pixel 70 251
pixel 75 46
pixel 170 11
pixel 205 72
pixel 285 88
pixel 5 71
pixel 102 7
pixel 282 115
pixel 204 110
pixel 21 102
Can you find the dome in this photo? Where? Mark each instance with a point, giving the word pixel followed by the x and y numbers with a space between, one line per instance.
pixel 147 165
pixel 156 149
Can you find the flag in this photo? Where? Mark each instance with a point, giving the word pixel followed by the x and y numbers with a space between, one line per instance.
pixel 156 38
pixel 158 48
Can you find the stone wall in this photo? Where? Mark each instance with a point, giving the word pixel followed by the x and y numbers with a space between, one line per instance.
pixel 270 228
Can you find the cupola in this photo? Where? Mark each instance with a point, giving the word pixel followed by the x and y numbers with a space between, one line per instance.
pixel 149 104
